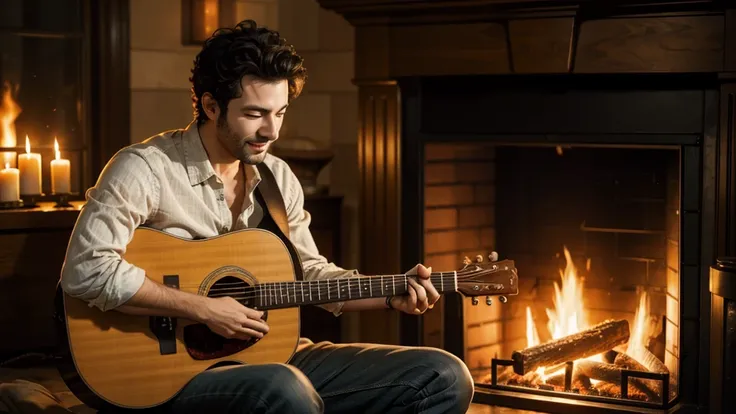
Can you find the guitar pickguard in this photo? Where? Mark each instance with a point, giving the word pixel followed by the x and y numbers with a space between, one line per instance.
pixel 203 344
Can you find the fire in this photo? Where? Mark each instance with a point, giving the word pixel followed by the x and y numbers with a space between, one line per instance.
pixel 569 316
pixel 9 111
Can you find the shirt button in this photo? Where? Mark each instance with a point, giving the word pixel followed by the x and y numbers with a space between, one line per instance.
pixel 222 197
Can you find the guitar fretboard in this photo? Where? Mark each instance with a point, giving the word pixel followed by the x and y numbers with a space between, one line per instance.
pixel 289 294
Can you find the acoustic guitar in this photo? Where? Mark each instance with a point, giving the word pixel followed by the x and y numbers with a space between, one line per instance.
pixel 115 359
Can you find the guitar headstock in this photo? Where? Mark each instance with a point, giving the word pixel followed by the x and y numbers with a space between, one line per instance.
pixel 487 278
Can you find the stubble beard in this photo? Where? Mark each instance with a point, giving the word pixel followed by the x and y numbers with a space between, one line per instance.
pixel 238 147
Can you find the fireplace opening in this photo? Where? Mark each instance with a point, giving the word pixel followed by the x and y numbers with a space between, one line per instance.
pixel 595 234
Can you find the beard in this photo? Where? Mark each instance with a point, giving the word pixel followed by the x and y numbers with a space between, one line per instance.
pixel 238 146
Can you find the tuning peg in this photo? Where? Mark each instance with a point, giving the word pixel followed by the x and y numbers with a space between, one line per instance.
pixel 466 260
pixel 493 257
pixel 479 259
pixel 474 301
pixel 503 299
pixel 488 301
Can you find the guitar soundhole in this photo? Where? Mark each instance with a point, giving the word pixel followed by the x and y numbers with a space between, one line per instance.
pixel 201 342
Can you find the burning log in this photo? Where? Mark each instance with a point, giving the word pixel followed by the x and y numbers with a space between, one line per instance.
pixel 628 362
pixel 594 340
pixel 612 373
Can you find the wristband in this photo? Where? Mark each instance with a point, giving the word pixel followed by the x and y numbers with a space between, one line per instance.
pixel 388 302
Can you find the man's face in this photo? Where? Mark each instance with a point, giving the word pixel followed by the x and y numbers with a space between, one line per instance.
pixel 253 121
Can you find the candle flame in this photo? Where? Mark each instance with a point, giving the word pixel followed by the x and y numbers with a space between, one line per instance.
pixel 56 149
pixel 7 165
pixel 28 145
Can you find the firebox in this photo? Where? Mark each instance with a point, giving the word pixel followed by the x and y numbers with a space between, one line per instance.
pixel 594 185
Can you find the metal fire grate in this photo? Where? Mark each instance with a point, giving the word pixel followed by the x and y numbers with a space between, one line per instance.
pixel 626 374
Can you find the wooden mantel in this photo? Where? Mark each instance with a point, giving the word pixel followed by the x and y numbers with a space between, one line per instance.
pixel 396 39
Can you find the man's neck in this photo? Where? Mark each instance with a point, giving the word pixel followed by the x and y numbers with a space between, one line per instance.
pixel 225 165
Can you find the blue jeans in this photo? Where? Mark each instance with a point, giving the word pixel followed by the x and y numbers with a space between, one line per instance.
pixel 329 378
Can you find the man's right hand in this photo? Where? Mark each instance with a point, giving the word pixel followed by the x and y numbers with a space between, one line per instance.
pixel 227 317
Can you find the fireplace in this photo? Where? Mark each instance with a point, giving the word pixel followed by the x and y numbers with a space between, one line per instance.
pixel 593 145
pixel 593 207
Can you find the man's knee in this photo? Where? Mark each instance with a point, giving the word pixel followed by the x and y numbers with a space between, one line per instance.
pixel 292 391
pixel 453 375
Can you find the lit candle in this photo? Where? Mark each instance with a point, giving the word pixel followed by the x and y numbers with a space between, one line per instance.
pixel 9 183
pixel 60 173
pixel 29 165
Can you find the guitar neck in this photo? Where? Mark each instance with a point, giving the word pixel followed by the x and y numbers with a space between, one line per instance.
pixel 281 295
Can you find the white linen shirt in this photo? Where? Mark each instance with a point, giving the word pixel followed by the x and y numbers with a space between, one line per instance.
pixel 167 183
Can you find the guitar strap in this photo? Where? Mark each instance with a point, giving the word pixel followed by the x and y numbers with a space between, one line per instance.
pixel 269 190
pixel 275 219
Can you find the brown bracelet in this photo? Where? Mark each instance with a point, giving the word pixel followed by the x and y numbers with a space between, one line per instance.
pixel 388 302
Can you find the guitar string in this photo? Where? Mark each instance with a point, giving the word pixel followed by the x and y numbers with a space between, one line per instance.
pixel 260 294
pixel 360 280
pixel 372 281
pixel 293 289
pixel 298 285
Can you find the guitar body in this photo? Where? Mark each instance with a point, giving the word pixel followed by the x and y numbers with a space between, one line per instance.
pixel 116 359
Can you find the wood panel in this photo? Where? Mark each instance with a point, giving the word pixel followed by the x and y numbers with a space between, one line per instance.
pixel 730 41
pixel 726 211
pixel 30 266
pixel 449 49
pixel 372 45
pixel 109 112
pixel 378 155
pixel 541 45
pixel 651 44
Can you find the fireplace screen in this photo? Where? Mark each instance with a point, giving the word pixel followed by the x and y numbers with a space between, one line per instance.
pixel 594 232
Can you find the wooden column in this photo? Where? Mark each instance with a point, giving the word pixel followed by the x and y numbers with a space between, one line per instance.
pixel 726 211
pixel 380 198
pixel 109 95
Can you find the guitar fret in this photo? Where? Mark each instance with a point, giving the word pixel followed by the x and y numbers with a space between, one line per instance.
pixel 302 286
pixel 393 282
pixel 370 286
pixel 406 284
pixel 349 295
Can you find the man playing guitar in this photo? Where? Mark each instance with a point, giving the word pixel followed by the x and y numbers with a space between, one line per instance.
pixel 201 182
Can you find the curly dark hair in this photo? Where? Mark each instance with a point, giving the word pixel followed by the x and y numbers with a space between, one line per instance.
pixel 231 53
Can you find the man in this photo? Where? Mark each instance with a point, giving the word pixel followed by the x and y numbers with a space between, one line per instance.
pixel 202 181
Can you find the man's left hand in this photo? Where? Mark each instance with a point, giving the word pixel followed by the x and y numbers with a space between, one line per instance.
pixel 422 294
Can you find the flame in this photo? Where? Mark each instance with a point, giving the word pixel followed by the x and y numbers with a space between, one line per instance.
pixel 7 165
pixel 569 317
pixel 28 145
pixel 9 111
pixel 56 148
pixel 639 333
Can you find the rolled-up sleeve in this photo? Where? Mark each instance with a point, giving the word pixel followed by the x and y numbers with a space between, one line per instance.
pixel 315 265
pixel 124 197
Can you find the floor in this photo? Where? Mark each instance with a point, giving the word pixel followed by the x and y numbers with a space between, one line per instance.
pixel 486 409
pixel 49 378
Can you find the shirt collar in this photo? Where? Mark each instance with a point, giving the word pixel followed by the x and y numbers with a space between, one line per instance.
pixel 198 163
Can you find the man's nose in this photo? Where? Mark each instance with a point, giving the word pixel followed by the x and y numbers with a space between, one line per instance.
pixel 269 131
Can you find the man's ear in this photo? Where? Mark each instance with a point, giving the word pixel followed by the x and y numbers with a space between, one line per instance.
pixel 210 106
